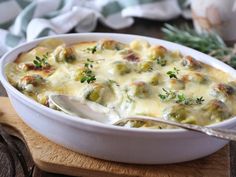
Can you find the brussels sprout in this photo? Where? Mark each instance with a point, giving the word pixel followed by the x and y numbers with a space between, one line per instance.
pixel 79 73
pixel 223 91
pixel 155 79
pixel 145 66
pixel 28 83
pixel 63 54
pixel 215 111
pixel 96 94
pixel 43 99
pixel 195 77
pixel 121 68
pixel 110 45
pixel 129 55
pixel 191 63
pixel 101 93
pixel 190 120
pixel 139 89
pixel 176 54
pixel 176 84
pixel 135 124
pixel 177 113
pixel 33 79
pixel 158 51
pixel 139 44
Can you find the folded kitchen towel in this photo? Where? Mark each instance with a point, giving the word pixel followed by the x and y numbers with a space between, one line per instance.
pixel 25 20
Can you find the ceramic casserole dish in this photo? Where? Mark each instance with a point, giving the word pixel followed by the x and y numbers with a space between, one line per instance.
pixel 120 144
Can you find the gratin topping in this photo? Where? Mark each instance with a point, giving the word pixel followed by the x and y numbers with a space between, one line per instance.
pixel 134 79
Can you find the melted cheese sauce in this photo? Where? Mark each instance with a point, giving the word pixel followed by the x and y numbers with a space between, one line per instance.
pixel 130 78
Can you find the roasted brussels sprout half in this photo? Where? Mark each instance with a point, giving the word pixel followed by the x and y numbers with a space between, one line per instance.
pixel 155 79
pixel 129 55
pixel 176 112
pixel 139 89
pixel 176 84
pixel 110 45
pixel 158 51
pixel 139 45
pixel 28 83
pixel 120 68
pixel 145 124
pixel 223 91
pixel 97 93
pixel 145 66
pixel 191 63
pixel 64 54
pixel 101 93
pixel 215 111
pixel 195 77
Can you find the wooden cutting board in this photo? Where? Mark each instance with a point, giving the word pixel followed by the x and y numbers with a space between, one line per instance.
pixel 51 157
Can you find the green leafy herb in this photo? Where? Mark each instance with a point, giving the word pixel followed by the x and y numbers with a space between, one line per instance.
pixel 41 62
pixel 161 61
pixel 211 43
pixel 167 95
pixel 88 74
pixel 200 100
pixel 173 73
pixel 92 49
pixel 179 98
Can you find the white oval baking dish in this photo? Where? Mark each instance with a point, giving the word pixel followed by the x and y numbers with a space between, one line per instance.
pixel 108 142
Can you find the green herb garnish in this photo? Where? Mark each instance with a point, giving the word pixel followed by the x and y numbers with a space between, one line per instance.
pixel 179 98
pixel 41 62
pixel 88 75
pixel 173 73
pixel 92 49
pixel 200 100
pixel 161 61
pixel 168 95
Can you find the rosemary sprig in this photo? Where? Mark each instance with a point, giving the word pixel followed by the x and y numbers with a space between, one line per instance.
pixel 211 43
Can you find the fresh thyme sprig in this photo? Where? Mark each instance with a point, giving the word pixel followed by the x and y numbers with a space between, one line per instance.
pixel 167 95
pixel 173 73
pixel 92 49
pixel 211 43
pixel 88 75
pixel 200 100
pixel 41 62
pixel 179 98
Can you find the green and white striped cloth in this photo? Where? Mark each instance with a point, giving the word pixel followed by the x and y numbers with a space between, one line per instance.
pixel 25 20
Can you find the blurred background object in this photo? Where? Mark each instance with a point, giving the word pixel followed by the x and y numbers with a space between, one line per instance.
pixel 25 20
pixel 215 16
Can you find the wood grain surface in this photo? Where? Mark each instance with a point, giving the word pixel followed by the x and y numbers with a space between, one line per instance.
pixel 54 158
